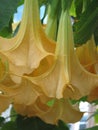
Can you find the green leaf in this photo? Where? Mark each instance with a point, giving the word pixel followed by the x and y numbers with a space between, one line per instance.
pixel 62 126
pixel 87 23
pixel 7 9
pixel 83 99
pixel 43 2
pixel 21 2
pixel 7 31
pixel 96 116
pixel 35 123
pixel 9 126
pixel 96 35
pixel 72 10
pixel 2 119
pixel 13 114
pixel 78 7
pixel 92 128
pixel 51 102
pixel 66 4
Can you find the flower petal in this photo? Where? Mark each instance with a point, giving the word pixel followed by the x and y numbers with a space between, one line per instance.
pixel 5 101
pixel 66 72
pixel 88 51
pixel 62 110
pixel 25 51
pixel 93 96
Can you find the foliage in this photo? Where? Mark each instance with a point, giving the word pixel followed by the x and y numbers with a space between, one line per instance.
pixel 33 123
pixel 87 23
pixel 93 128
pixel 7 9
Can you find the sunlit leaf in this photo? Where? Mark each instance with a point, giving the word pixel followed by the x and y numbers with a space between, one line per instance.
pixel 92 128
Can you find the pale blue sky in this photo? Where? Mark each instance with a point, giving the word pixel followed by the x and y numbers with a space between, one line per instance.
pixel 18 14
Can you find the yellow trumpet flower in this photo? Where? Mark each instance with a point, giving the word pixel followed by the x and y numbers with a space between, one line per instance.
pixel 26 51
pixel 66 74
pixel 22 95
pixel 29 100
pixel 87 54
pixel 46 73
pixel 62 110
pixel 30 46
pixel 5 97
pixel 29 96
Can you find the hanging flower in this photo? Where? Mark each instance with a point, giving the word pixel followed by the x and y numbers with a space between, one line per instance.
pixel 62 110
pixel 30 99
pixel 87 54
pixel 30 46
pixel 46 73
pixel 26 51
pixel 22 95
pixel 5 98
pixel 66 74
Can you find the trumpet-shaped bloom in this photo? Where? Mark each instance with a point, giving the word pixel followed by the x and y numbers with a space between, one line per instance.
pixel 23 96
pixel 44 78
pixel 66 74
pixel 55 80
pixel 30 46
pixel 87 54
pixel 19 94
pixel 62 110
pixel 29 100
pixel 5 98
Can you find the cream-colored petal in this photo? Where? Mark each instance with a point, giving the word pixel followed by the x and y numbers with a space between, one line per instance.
pixel 79 77
pixel 66 72
pixel 83 80
pixel 62 110
pixel 27 93
pixel 35 109
pixel 24 93
pixel 52 82
pixel 3 70
pixel 5 101
pixel 30 45
pixel 93 96
pixel 87 54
